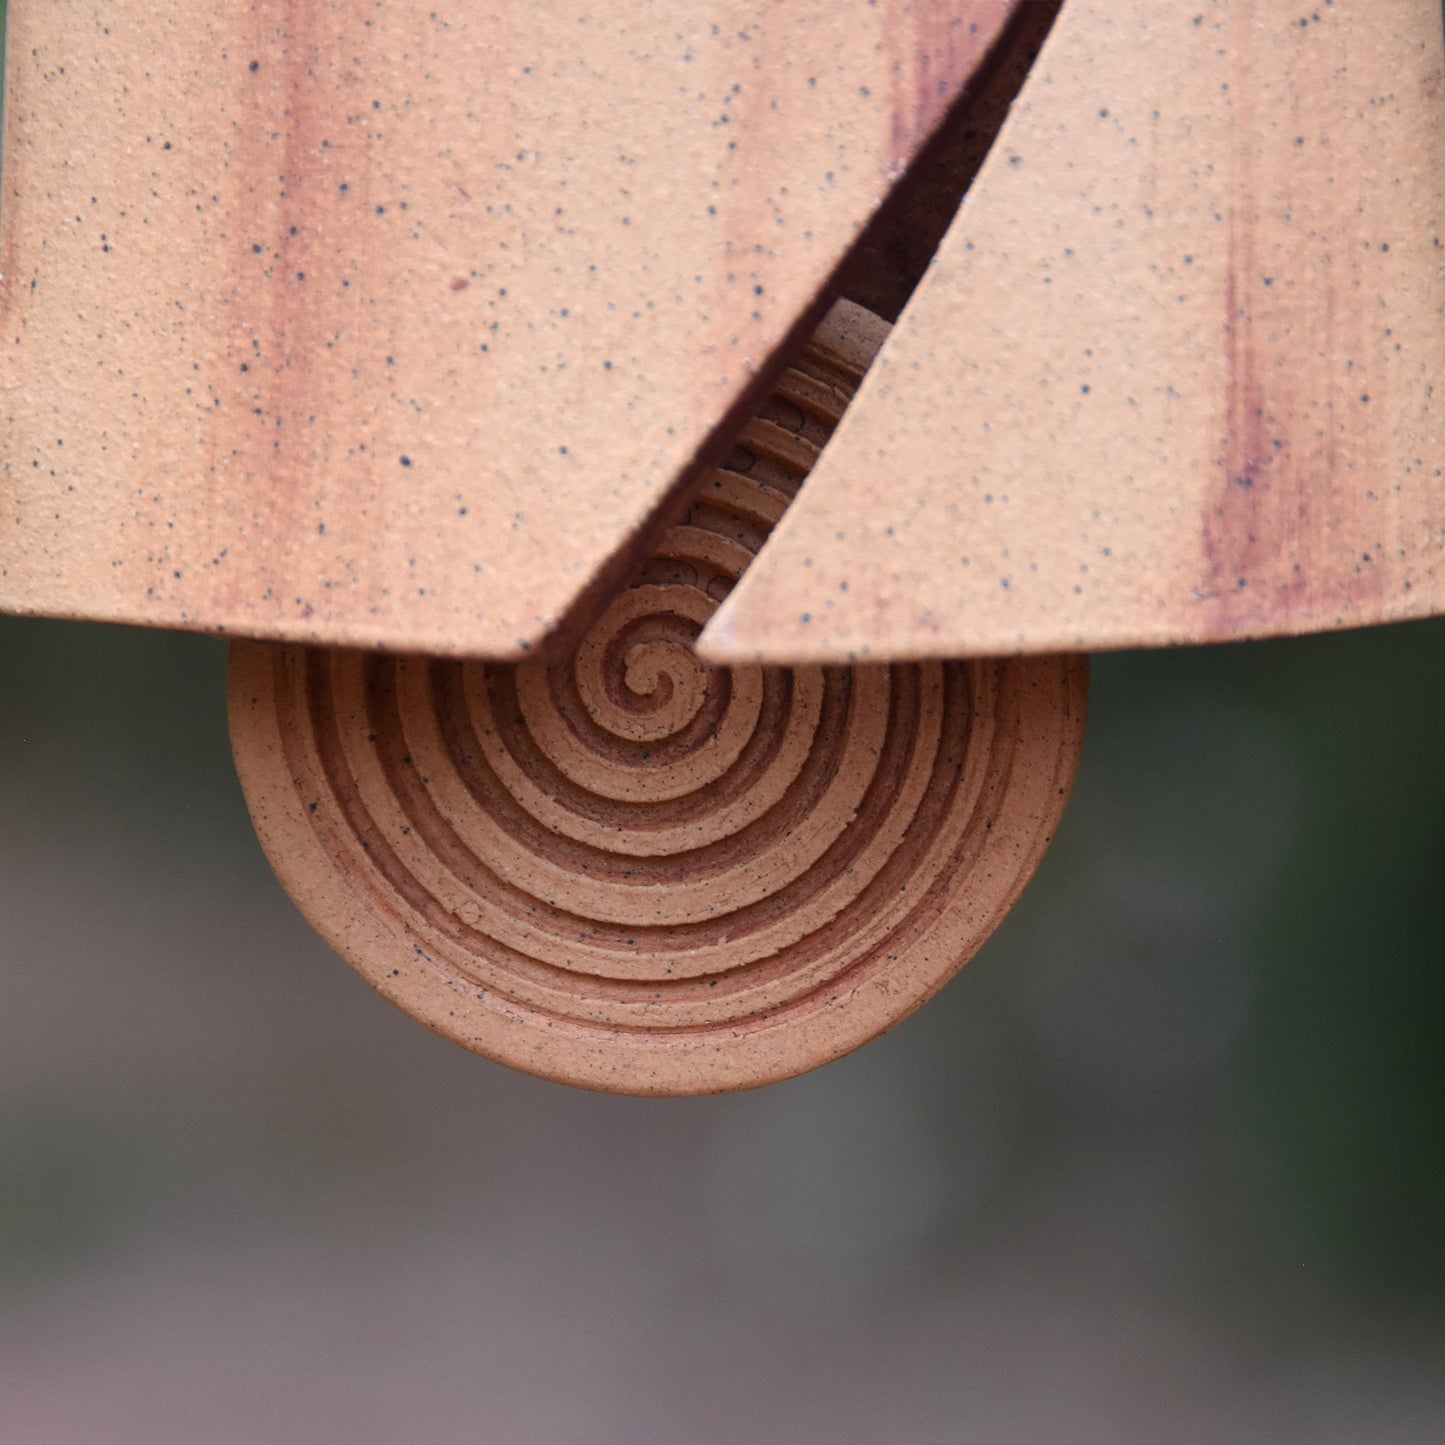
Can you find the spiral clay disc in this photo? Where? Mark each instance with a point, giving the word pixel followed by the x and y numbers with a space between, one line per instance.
pixel 635 872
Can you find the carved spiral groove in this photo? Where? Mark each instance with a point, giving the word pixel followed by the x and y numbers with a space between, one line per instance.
pixel 633 871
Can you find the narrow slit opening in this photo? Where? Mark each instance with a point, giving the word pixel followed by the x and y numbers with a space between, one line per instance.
pixel 879 273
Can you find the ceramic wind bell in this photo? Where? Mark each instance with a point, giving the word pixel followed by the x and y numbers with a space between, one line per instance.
pixel 467 368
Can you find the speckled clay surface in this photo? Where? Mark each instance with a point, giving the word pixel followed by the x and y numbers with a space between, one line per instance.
pixel 1176 373
pixel 396 324
pixel 633 872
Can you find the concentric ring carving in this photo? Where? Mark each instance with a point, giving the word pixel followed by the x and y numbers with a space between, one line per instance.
pixel 633 871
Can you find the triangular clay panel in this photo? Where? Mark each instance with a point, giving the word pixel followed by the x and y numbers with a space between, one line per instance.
pixel 394 325
pixel 1172 376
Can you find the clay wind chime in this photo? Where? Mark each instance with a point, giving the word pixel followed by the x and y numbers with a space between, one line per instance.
pixel 466 364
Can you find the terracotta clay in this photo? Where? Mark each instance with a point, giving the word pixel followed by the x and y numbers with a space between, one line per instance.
pixel 385 326
pixel 635 872
pixel 1172 376
pixel 397 325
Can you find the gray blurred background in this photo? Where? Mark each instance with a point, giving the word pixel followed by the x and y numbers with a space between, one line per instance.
pixel 1164 1163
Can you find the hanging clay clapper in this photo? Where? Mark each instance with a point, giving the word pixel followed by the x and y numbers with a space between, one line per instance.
pixel 629 870
pixel 462 362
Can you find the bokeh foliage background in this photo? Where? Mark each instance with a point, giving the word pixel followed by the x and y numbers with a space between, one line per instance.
pixel 1165 1163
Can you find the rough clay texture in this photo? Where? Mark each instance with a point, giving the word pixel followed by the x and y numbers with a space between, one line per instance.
pixel 635 872
pixel 398 324
pixel 1171 377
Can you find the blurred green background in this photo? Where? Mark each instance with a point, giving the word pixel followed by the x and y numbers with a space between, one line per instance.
pixel 1165 1163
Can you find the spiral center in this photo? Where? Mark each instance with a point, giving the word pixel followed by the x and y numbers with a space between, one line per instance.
pixel 667 678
